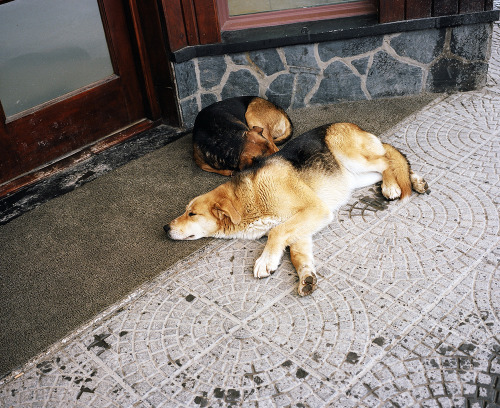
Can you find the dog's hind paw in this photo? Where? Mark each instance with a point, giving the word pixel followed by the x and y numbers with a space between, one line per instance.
pixel 265 265
pixel 418 183
pixel 308 282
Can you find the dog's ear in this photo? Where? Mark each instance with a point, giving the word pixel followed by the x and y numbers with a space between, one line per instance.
pixel 225 208
pixel 258 129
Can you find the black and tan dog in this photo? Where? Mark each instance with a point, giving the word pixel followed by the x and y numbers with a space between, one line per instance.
pixel 229 135
pixel 291 195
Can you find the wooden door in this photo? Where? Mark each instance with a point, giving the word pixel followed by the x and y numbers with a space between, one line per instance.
pixel 46 132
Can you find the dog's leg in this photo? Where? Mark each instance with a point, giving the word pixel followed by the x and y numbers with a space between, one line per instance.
pixel 304 223
pixel 198 159
pixel 398 179
pixel 210 169
pixel 301 253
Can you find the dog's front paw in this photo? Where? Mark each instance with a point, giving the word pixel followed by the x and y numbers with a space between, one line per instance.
pixel 391 192
pixel 308 281
pixel 265 265
pixel 418 183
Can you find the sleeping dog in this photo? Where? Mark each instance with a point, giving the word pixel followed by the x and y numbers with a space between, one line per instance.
pixel 292 194
pixel 229 135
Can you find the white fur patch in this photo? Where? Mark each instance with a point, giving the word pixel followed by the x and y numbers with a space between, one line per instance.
pixel 366 179
pixel 255 230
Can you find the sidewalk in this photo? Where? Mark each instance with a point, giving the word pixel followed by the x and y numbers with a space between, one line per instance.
pixel 407 312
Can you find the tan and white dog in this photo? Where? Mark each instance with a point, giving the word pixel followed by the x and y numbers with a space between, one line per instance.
pixel 291 195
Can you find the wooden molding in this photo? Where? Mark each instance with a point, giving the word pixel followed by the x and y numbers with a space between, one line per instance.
pixel 272 18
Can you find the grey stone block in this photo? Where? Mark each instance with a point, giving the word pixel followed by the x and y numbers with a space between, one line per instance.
pixel 301 56
pixel 240 59
pixel 361 65
pixel 348 48
pixel 305 82
pixel 267 60
pixel 390 77
pixel 422 46
pixel 471 42
pixel 207 99
pixel 239 83
pixel 339 84
pixel 189 109
pixel 280 91
pixel 212 70
pixel 449 75
pixel 185 75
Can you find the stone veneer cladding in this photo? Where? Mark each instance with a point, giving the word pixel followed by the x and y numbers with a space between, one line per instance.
pixel 432 60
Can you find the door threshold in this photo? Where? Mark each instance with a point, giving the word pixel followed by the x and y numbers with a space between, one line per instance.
pixel 35 188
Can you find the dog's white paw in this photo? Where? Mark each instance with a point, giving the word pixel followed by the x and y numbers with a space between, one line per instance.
pixel 265 265
pixel 391 192
pixel 418 183
pixel 308 281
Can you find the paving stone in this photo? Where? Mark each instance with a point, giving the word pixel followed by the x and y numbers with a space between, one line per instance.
pixel 208 99
pixel 67 378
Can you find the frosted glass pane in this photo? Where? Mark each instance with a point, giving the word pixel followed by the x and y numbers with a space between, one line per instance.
pixel 49 48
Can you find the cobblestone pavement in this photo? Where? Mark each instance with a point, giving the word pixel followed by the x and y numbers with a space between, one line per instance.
pixel 407 312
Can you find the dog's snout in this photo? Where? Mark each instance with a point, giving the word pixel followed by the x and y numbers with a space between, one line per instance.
pixel 166 228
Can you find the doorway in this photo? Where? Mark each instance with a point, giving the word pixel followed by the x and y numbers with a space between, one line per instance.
pixel 72 73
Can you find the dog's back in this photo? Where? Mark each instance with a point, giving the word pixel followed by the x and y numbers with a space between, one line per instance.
pixel 233 107
pixel 335 159
pixel 228 135
pixel 219 131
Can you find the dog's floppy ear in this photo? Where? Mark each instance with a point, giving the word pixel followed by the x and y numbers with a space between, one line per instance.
pixel 258 129
pixel 225 208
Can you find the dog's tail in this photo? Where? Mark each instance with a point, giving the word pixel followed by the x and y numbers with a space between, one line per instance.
pixel 398 170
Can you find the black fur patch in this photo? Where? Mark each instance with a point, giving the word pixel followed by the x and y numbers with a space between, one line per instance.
pixel 309 150
pixel 221 145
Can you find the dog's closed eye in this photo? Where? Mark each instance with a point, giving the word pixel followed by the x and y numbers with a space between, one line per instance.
pixel 191 214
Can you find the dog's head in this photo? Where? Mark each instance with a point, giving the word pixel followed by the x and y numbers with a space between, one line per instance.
pixel 208 215
pixel 260 141
pixel 257 144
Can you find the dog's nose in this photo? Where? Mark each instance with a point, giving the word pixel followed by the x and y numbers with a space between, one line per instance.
pixel 166 228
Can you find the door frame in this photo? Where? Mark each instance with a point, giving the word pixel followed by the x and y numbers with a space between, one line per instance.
pixel 135 98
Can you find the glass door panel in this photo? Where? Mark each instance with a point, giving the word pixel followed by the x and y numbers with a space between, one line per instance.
pixel 49 48
pixel 78 56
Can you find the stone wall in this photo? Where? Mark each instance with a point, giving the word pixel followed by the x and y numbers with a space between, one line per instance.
pixel 434 60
